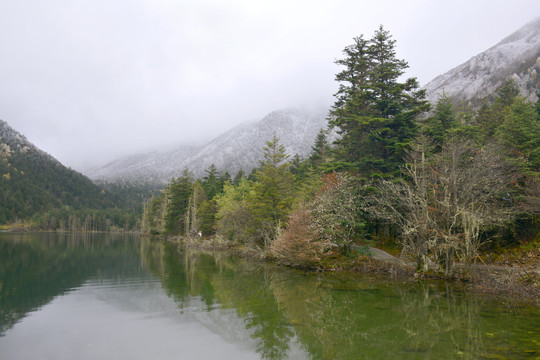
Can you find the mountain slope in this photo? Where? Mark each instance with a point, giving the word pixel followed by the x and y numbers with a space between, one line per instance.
pixel 238 148
pixel 32 181
pixel 152 167
pixel 516 56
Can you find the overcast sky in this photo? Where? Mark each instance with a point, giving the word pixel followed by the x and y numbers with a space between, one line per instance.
pixel 91 80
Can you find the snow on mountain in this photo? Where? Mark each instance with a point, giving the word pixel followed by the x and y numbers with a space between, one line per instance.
pixel 238 148
pixel 154 167
pixel 12 141
pixel 517 56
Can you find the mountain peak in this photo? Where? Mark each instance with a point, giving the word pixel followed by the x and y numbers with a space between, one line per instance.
pixel 517 56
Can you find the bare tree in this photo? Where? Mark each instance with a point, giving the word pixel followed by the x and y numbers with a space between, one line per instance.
pixel 446 200
pixel 336 211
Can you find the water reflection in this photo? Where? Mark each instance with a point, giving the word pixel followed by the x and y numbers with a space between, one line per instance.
pixel 152 295
pixel 36 268
pixel 224 282
pixel 338 316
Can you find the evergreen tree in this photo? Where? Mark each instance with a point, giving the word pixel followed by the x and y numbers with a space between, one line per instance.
pixel 273 190
pixel 520 134
pixel 507 93
pixel 320 151
pixel 153 219
pixel 178 193
pixel 253 174
pixel 192 221
pixel 212 183
pixel 537 105
pixel 299 168
pixel 374 112
pixel 490 118
pixel 223 178
pixel 238 177
pixel 207 215
pixel 443 119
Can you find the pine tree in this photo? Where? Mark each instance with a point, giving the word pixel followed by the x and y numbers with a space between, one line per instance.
pixel 273 190
pixel 212 183
pixel 374 112
pixel 320 151
pixel 507 93
pixel 192 221
pixel 520 134
pixel 490 118
pixel 443 119
pixel 223 178
pixel 537 104
pixel 178 193
pixel 207 216
pixel 238 177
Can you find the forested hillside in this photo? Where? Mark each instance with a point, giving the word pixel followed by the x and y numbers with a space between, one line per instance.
pixel 35 185
pixel 444 185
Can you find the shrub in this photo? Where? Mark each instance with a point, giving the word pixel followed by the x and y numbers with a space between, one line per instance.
pixel 299 244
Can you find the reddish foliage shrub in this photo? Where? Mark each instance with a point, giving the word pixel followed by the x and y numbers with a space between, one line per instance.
pixel 299 244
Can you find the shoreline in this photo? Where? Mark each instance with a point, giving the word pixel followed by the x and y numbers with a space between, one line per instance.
pixel 510 282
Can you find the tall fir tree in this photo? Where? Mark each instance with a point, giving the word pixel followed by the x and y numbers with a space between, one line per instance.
pixel 178 192
pixel 238 177
pixel 273 190
pixel 374 112
pixel 490 118
pixel 444 118
pixel 320 151
pixel 520 135
pixel 207 215
pixel 212 184
pixel 192 220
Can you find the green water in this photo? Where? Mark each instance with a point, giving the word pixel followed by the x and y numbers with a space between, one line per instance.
pixel 124 297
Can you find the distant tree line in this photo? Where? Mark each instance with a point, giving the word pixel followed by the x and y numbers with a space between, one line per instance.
pixel 440 180
pixel 88 220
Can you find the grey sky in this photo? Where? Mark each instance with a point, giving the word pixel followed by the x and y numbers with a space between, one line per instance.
pixel 91 80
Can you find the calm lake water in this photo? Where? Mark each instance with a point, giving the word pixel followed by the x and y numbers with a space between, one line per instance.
pixel 125 297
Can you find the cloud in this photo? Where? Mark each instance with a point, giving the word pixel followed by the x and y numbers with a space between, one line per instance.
pixel 89 81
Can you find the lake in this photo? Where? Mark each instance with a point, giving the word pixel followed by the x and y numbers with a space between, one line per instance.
pixel 100 296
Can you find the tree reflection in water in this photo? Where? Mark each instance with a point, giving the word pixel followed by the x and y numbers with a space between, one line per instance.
pixel 344 316
pixel 35 268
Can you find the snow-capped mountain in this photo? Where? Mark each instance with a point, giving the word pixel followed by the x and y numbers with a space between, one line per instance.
pixel 238 148
pixel 154 167
pixel 517 56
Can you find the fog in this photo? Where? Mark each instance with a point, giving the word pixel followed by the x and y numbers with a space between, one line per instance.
pixel 90 81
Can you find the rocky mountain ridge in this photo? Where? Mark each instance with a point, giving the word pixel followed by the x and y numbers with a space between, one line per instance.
pixel 515 57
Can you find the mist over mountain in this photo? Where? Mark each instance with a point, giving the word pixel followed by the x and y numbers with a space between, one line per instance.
pixel 515 57
pixel 238 148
